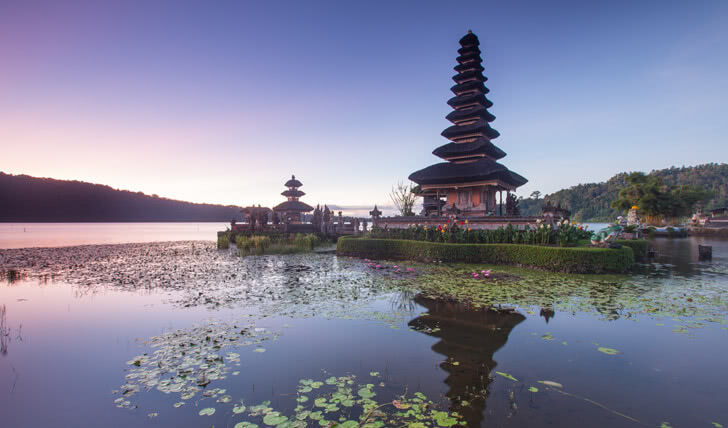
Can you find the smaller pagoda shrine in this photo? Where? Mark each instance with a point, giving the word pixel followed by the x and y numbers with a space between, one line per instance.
pixel 290 211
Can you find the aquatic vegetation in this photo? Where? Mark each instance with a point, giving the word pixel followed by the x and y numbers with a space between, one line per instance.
pixel 279 244
pixel 344 401
pixel 223 240
pixel 507 376
pixel 608 351
pixel 608 296
pixel 186 362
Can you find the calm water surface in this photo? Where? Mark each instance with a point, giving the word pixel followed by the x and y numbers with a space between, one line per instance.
pixel 25 235
pixel 92 336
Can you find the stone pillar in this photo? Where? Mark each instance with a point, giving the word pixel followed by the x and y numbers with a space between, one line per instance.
pixel 364 227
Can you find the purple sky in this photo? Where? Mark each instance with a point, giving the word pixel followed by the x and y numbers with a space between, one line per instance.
pixel 222 101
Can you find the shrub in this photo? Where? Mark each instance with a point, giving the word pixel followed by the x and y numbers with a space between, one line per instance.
pixel 639 247
pixel 569 259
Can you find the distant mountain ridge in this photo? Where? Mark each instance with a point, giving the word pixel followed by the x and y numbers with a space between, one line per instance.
pixel 29 199
pixel 591 202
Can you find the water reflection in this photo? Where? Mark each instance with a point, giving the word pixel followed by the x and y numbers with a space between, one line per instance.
pixel 6 334
pixel 468 338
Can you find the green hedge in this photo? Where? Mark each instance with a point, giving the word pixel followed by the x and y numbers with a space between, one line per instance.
pixel 639 247
pixel 560 259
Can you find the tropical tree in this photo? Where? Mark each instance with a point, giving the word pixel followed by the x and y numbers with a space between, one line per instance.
pixel 403 197
pixel 535 194
pixel 656 200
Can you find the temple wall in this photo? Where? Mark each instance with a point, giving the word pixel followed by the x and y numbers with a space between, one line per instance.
pixel 452 197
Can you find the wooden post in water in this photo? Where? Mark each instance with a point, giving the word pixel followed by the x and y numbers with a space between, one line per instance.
pixel 705 252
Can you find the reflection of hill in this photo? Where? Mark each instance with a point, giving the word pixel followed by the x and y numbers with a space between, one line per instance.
pixel 469 337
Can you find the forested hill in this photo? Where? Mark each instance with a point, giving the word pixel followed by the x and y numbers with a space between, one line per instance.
pixel 592 202
pixel 29 199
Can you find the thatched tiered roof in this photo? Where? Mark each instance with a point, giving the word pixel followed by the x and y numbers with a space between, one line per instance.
pixel 471 155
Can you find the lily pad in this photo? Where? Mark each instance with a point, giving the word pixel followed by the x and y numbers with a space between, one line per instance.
pixel 608 351
pixel 207 411
pixel 507 376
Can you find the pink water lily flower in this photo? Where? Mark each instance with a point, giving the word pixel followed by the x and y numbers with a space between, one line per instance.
pixel 410 270
pixel 475 275
pixel 378 266
pixel 395 266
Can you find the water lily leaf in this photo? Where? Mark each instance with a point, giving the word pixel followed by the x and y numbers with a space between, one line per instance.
pixel 533 389
pixel 207 411
pixel 374 374
pixel 551 383
pixel 178 404
pixel 153 415
pixel 259 350
pixel 240 408
pixel 366 393
pixel 274 418
pixel 398 404
pixel 320 402
pixel 348 424
pixel 717 425
pixel 507 376
pixel 245 425
pixel 608 351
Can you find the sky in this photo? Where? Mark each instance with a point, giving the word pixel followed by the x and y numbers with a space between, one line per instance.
pixel 221 101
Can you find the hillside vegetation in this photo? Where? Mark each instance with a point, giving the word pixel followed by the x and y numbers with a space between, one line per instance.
pixel 30 199
pixel 591 202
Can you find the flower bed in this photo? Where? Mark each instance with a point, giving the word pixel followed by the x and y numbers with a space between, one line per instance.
pixel 559 259
pixel 564 234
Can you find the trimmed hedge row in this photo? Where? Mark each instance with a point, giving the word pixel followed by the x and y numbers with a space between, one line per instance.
pixel 560 259
pixel 639 247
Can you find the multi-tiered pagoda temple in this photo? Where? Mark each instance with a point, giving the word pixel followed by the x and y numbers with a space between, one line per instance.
pixel 471 177
pixel 292 209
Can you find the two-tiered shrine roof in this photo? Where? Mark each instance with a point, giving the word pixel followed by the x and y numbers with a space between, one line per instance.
pixel 293 206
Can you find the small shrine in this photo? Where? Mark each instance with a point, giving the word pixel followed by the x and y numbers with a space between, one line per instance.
pixel 470 178
pixel 291 210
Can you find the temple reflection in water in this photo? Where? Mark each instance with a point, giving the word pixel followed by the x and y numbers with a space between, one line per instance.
pixel 468 337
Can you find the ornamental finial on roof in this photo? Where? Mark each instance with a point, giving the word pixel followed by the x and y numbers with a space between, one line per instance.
pixel 470 31
pixel 293 177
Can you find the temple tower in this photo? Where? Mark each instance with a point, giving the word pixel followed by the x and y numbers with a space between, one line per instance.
pixel 470 178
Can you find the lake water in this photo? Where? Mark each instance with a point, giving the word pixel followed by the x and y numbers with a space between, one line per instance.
pixel 181 334
pixel 25 235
